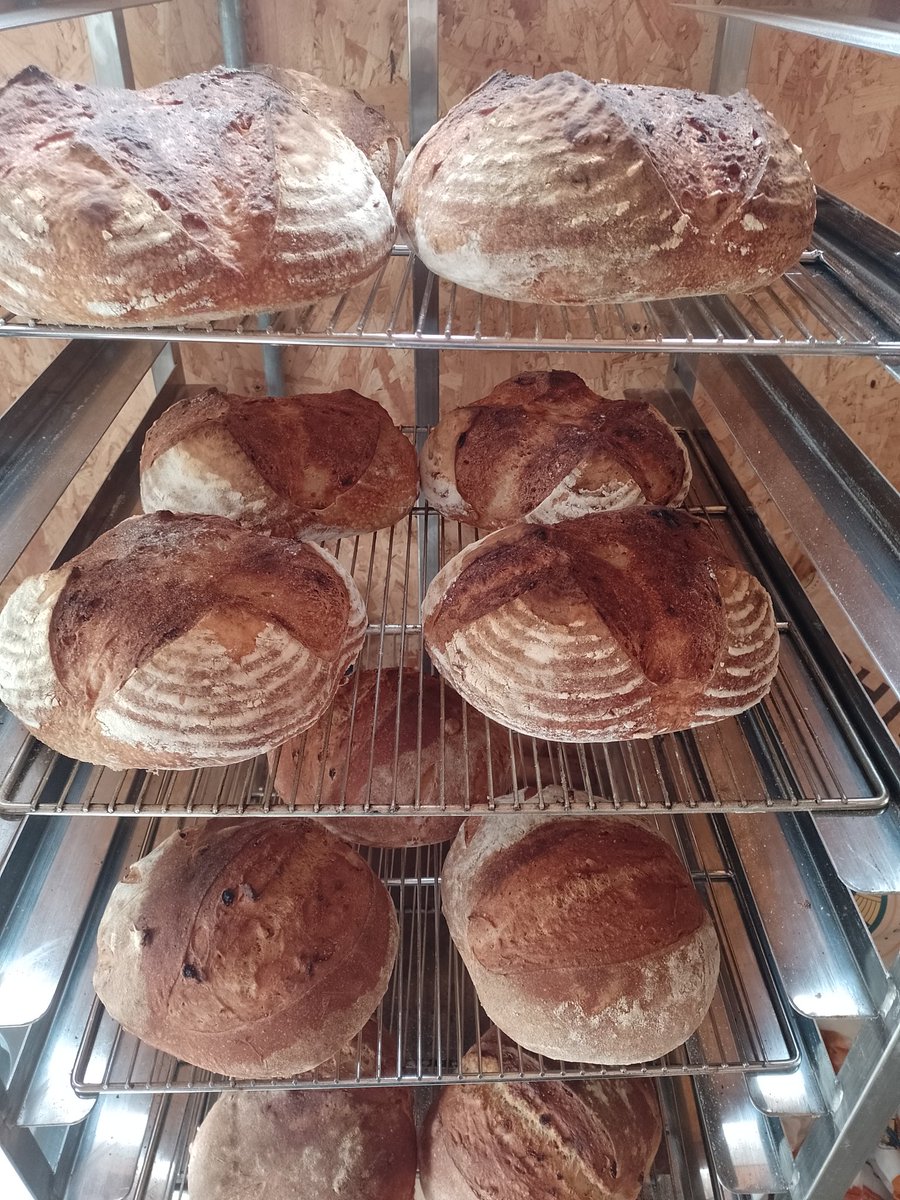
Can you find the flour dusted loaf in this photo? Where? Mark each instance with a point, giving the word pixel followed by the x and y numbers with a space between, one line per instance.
pixel 544 448
pixel 312 466
pixel 351 752
pixel 178 642
pixel 617 625
pixel 356 1144
pixel 562 191
pixel 584 937
pixel 206 197
pixel 252 948
pixel 364 125
pixel 519 1141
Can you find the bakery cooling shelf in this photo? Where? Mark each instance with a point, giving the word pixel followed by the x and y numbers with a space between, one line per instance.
pixel 432 1011
pixel 156 1166
pixel 805 746
pixel 812 309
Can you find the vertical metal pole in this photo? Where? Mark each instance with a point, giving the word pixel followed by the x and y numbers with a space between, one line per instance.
pixel 731 60
pixel 234 54
pixel 422 34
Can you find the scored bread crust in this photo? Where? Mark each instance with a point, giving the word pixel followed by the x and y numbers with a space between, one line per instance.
pixel 205 197
pixel 584 937
pixel 368 129
pixel 618 625
pixel 256 949
pixel 543 447
pixel 177 642
pixel 593 1138
pixel 360 753
pixel 317 466
pixel 563 191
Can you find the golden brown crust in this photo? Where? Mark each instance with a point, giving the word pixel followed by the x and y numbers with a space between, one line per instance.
pixel 312 466
pixel 251 948
pixel 506 454
pixel 661 555
pixel 522 1140
pixel 353 751
pixel 617 625
pixel 645 192
pixel 179 641
pixel 584 937
pixel 358 1144
pixel 191 199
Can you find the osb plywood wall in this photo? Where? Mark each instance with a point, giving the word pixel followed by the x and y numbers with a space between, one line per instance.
pixel 839 104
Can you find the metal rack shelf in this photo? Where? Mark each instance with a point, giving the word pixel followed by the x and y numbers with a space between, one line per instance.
pixel 155 1167
pixel 432 1010
pixel 804 746
pixel 812 309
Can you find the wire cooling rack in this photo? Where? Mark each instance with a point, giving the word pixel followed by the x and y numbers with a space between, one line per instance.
pixel 801 747
pixel 433 1015
pixel 809 310
pixel 163 1156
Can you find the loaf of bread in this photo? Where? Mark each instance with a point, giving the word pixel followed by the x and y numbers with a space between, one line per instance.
pixel 256 949
pixel 203 198
pixel 521 1141
pixel 378 746
pixel 584 936
pixel 315 467
pixel 365 126
pixel 618 625
pixel 178 642
pixel 544 448
pixel 352 1143
pixel 562 191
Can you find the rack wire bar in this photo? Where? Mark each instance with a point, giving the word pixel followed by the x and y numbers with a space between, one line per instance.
pixel 812 309
pixel 803 747
pixel 432 1010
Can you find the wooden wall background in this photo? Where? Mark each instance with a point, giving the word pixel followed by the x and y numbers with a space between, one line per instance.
pixel 839 103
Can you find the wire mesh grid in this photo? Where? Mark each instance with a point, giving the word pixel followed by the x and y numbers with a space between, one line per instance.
pixel 797 749
pixel 163 1158
pixel 809 310
pixel 432 1014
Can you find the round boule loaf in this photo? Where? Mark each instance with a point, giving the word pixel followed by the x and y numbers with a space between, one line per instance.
pixel 378 746
pixel 317 467
pixel 584 936
pixel 178 642
pixel 253 948
pixel 616 625
pixel 544 448
pixel 201 198
pixel 596 1138
pixel 562 191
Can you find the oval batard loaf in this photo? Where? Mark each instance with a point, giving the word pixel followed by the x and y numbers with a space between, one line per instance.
pixel 368 129
pixel 206 197
pixel 360 753
pixel 256 949
pixel 544 448
pixel 568 192
pixel 520 1141
pixel 584 937
pixel 178 642
pixel 618 625
pixel 313 466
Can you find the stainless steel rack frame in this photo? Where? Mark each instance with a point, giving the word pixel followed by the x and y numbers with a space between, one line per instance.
pixel 433 1013
pixel 812 309
pixel 807 745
